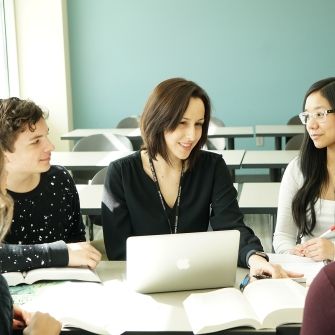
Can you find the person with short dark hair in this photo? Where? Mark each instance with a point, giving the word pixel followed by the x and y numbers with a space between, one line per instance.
pixel 13 317
pixel 172 186
pixel 47 228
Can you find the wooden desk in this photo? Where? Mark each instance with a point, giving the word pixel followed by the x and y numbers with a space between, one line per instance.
pixel 278 132
pixel 214 132
pixel 271 159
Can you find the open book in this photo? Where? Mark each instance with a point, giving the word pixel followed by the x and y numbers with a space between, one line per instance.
pixel 305 265
pixel 61 273
pixel 93 307
pixel 265 303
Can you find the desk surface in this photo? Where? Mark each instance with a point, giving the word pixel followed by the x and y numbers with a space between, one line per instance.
pixel 91 160
pixel 265 202
pixel 279 130
pixel 86 160
pixel 268 158
pixel 213 132
pixel 259 198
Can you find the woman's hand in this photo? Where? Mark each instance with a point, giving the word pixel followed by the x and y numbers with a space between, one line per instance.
pixel 41 324
pixel 260 266
pixel 319 249
pixel 83 254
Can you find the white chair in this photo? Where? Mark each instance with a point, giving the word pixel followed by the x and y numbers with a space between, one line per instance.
pixel 295 142
pixel 98 179
pixel 216 143
pixel 131 122
pixel 99 142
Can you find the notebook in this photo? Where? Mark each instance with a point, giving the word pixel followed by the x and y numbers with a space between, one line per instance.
pixel 187 261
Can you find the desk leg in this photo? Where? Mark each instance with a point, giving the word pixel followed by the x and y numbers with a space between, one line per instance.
pixel 273 227
pixel 275 175
pixel 230 143
pixel 278 143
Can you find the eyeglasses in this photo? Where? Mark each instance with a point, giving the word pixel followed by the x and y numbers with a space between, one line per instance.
pixel 319 116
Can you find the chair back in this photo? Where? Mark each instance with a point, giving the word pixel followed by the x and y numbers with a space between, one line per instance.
pixel 216 143
pixel 294 120
pixel 129 122
pixel 99 177
pixel 99 142
pixel 295 142
pixel 103 142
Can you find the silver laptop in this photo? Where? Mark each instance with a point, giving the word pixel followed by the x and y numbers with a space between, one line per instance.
pixel 177 262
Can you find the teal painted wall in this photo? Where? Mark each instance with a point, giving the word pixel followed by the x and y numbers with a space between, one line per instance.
pixel 255 58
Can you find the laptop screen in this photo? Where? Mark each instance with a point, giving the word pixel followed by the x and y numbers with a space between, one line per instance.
pixel 187 261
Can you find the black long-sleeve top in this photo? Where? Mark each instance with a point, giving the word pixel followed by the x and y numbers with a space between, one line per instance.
pixel 44 220
pixel 131 205
pixel 6 308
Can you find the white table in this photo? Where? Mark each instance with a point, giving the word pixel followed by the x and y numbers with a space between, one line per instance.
pixel 90 160
pixel 271 159
pixel 260 198
pixel 159 313
pixel 86 160
pixel 214 132
pixel 278 132
pixel 91 196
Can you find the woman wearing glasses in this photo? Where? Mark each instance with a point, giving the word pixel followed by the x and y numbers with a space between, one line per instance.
pixel 306 207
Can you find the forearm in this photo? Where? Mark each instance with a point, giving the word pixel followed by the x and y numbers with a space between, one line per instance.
pixel 17 257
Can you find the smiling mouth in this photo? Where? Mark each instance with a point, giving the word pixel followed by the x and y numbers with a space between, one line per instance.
pixel 186 146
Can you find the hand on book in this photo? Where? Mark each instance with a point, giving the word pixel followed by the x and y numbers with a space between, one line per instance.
pixel 35 323
pixel 317 248
pixel 83 254
pixel 260 266
pixel 41 324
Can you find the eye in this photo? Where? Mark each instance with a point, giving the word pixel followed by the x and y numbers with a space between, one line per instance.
pixel 320 115
pixel 36 141
pixel 199 124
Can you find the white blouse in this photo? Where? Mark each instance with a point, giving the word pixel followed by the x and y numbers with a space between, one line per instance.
pixel 286 231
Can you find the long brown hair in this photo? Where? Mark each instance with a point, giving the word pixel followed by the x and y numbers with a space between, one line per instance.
pixel 164 110
pixel 313 165
pixel 6 204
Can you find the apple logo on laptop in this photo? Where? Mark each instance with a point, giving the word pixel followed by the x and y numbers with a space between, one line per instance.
pixel 183 263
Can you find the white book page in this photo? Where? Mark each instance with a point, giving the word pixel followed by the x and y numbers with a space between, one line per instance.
pixel 218 310
pixel 13 278
pixel 305 265
pixel 283 297
pixel 80 304
pixel 61 273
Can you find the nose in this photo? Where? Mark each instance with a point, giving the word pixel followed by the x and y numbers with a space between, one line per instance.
pixel 191 132
pixel 312 123
pixel 49 146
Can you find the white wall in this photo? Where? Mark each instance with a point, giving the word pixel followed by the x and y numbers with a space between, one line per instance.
pixel 43 60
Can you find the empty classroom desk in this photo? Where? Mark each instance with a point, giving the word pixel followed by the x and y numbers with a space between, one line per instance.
pixel 90 160
pixel 278 132
pixel 86 160
pixel 259 198
pixel 214 132
pixel 275 160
